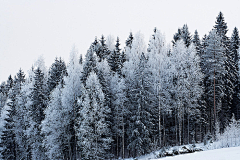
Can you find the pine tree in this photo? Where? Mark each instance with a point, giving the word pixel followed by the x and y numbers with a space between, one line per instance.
pixel 94 130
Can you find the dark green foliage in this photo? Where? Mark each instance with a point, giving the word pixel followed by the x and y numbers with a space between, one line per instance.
pixel 115 59
pixel 90 63
pixel 8 137
pixel 197 42
pixel 234 46
pixel 231 74
pixel 101 49
pixel 129 40
pixel 183 34
pixel 56 73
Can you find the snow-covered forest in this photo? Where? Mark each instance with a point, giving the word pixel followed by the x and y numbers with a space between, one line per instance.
pixel 124 100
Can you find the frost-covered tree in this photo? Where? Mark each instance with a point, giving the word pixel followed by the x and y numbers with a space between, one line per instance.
pixel 22 120
pixel 71 91
pixel 10 147
pixel 119 113
pixel 160 68
pixel 101 49
pixel 214 70
pixel 110 42
pixel 36 113
pixel 54 128
pixel 8 143
pixel 94 131
pixel 142 119
pixel 179 58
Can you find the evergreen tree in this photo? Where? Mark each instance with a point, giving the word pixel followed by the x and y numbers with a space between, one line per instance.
pixel 102 51
pixel 119 113
pixel 177 36
pixel 9 134
pixel 56 73
pixel 142 120
pixel 231 75
pixel 8 142
pixel 129 40
pixel 196 42
pixel 214 70
pixel 94 132
pixel 234 46
pixel 37 107
pixel 89 64
pixel 115 58
pixel 184 34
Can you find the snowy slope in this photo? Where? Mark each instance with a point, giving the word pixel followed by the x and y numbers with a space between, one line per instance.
pixel 232 153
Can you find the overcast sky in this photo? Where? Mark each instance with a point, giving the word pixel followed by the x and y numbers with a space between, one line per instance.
pixel 30 28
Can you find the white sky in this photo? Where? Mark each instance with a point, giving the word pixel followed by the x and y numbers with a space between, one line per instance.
pixel 30 28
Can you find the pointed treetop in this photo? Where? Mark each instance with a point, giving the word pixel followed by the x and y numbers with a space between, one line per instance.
pixel 129 40
pixel 234 45
pixel 80 59
pixel 102 40
pixel 117 45
pixel 221 26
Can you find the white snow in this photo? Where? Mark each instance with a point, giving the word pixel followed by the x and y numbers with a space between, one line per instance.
pixel 232 153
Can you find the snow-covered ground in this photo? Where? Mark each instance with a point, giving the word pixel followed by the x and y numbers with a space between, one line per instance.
pixel 232 153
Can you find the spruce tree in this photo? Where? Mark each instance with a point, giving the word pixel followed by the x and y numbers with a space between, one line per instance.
pixel 234 46
pixel 8 142
pixel 89 64
pixel 114 59
pixel 231 75
pixel 37 107
pixel 184 34
pixel 101 50
pixel 56 73
pixel 196 41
